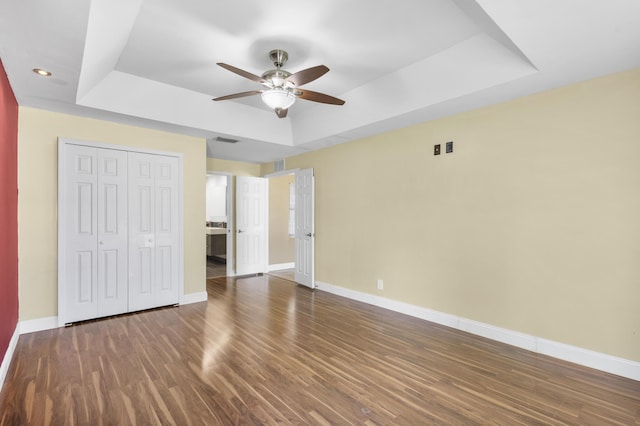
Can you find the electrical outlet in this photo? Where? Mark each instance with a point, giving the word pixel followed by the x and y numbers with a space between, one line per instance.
pixel 380 285
pixel 436 149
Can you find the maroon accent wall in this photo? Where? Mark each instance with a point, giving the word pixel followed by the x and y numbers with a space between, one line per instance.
pixel 8 212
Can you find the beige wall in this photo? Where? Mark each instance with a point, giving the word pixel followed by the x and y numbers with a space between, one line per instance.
pixel 37 200
pixel 281 247
pixel 267 168
pixel 236 168
pixel 531 224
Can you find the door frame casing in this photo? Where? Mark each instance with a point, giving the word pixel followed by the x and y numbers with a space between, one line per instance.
pixel 267 177
pixel 62 144
pixel 287 172
pixel 230 210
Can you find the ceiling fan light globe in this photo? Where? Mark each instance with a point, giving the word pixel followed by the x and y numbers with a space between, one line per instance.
pixel 278 98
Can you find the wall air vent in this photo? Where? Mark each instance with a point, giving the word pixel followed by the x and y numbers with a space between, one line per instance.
pixel 226 140
pixel 278 165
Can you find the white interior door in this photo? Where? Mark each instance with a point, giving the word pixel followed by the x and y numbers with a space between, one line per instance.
pixel 305 228
pixel 112 232
pixel 153 233
pixel 96 230
pixel 167 233
pixel 142 261
pixel 251 225
pixel 79 301
pixel 231 256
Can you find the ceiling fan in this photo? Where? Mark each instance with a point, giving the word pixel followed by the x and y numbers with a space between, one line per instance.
pixel 281 87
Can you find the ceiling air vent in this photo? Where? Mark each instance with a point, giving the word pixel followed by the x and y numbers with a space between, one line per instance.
pixel 226 140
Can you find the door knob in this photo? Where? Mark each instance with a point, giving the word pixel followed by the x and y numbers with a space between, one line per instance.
pixel 308 235
pixel 240 231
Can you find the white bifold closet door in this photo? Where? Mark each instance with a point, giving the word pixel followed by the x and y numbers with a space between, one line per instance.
pixel 153 231
pixel 119 239
pixel 96 233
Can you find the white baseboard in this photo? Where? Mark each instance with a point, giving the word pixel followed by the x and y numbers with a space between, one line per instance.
pixel 194 298
pixel 40 324
pixel 8 356
pixel 504 335
pixel 599 361
pixel 281 266
pixel 48 323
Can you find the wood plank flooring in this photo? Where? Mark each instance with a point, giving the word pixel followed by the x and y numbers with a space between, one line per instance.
pixel 287 274
pixel 263 350
pixel 216 268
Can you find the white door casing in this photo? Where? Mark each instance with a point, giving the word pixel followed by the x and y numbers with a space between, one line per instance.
pixel 229 213
pixel 231 248
pixel 251 225
pixel 305 228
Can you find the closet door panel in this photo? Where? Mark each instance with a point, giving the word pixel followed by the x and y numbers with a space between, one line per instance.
pixel 141 231
pixel 80 256
pixel 167 232
pixel 112 232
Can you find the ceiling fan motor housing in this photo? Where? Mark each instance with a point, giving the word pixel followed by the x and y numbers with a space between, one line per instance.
pixel 278 76
pixel 278 57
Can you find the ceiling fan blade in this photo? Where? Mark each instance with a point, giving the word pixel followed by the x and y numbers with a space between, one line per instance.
pixel 310 95
pixel 282 113
pixel 242 73
pixel 307 75
pixel 238 95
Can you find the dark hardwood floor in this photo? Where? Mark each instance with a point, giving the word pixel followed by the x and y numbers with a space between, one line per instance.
pixel 216 268
pixel 287 274
pixel 263 350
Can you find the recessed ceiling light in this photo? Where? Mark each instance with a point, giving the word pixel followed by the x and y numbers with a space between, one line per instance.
pixel 42 72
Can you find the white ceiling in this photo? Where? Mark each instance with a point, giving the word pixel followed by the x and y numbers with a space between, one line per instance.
pixel 152 63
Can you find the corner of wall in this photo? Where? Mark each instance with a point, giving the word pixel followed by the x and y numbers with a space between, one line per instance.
pixel 8 356
pixel 8 214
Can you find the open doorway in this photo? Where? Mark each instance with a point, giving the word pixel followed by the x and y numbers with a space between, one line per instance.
pixel 282 225
pixel 219 244
pixel 263 237
pixel 295 254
